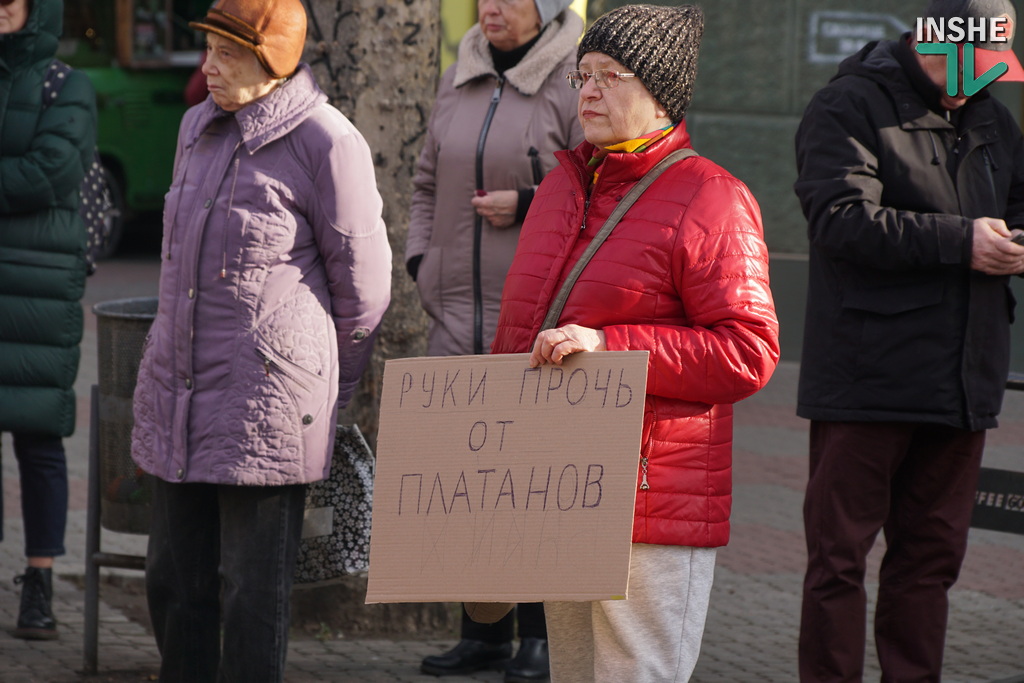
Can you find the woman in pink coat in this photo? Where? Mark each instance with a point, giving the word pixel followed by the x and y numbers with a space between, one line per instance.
pixel 502 110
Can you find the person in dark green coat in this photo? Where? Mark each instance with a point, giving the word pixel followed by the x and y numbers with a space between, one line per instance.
pixel 44 154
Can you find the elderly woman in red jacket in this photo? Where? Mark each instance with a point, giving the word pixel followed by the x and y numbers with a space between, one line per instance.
pixel 684 276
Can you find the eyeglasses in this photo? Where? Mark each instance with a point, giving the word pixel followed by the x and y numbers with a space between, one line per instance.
pixel 604 78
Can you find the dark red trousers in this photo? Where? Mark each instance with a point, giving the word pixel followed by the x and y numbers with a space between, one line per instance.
pixel 917 483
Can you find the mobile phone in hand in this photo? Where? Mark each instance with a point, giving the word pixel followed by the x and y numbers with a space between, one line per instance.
pixel 1019 237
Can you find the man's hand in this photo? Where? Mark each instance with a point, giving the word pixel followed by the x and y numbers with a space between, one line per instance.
pixel 992 252
pixel 554 345
pixel 498 207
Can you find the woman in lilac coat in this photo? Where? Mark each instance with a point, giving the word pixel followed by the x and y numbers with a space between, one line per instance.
pixel 276 273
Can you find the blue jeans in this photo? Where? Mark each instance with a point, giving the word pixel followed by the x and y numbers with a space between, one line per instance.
pixel 43 472
pixel 222 554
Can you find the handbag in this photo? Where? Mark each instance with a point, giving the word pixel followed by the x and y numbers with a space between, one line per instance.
pixel 96 205
pixel 336 524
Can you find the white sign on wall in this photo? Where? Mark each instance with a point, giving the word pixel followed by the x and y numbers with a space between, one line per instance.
pixel 835 35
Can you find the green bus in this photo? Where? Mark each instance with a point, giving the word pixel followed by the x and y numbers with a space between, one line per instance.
pixel 139 55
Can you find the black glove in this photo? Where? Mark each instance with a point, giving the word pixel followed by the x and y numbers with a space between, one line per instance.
pixel 412 266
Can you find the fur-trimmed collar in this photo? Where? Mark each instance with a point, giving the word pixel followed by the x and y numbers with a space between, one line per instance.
pixel 559 40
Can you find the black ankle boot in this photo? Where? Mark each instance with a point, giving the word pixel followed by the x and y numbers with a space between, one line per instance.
pixel 466 657
pixel 35 618
pixel 531 662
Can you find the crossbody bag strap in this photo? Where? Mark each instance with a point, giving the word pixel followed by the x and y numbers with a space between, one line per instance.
pixel 558 303
pixel 53 82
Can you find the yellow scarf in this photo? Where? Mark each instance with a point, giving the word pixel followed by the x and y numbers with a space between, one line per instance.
pixel 629 146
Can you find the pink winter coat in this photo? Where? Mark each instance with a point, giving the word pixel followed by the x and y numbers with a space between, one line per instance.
pixel 275 275
pixel 683 276
pixel 535 111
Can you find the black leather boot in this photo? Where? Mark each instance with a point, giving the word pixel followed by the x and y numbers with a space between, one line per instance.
pixel 466 657
pixel 35 618
pixel 531 662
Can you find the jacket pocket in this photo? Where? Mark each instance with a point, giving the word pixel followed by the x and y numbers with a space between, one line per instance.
pixel 894 300
pixel 306 390
pixel 900 345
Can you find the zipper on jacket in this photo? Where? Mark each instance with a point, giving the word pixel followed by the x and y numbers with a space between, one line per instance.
pixel 270 363
pixel 587 192
pixel 478 223
pixel 990 168
pixel 958 138
pixel 584 187
pixel 177 206
pixel 538 174
pixel 231 204
pixel 645 453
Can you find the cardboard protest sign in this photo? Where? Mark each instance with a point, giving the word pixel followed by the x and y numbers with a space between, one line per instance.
pixel 498 482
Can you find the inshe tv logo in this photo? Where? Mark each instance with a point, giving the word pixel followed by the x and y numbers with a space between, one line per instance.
pixel 961 34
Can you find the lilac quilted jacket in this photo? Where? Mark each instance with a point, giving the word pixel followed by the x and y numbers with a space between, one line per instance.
pixel 275 275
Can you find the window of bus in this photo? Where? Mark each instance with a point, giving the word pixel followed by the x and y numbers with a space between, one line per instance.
pixel 156 32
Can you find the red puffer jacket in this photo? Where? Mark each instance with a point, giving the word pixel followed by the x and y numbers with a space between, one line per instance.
pixel 684 276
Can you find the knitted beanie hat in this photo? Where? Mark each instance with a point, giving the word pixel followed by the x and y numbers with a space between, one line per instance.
pixel 275 30
pixel 549 9
pixel 658 44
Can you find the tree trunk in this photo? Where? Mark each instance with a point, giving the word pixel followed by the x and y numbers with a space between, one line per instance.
pixel 378 62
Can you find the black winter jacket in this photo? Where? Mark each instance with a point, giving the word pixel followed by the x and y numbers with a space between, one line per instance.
pixel 44 153
pixel 898 327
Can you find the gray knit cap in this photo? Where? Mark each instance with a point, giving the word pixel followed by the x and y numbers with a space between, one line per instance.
pixel 549 9
pixel 658 44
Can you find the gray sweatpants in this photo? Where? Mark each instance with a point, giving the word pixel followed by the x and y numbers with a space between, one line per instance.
pixel 653 637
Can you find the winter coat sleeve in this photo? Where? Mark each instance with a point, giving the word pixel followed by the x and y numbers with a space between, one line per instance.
pixel 57 156
pixel 730 347
pixel 421 211
pixel 840 192
pixel 353 242
pixel 424 182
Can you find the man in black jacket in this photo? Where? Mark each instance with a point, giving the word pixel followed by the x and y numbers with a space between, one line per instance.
pixel 911 197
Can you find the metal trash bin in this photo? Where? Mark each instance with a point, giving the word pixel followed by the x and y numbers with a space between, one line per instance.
pixel 125 491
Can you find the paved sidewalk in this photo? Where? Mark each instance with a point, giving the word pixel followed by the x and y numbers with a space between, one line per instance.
pixel 751 630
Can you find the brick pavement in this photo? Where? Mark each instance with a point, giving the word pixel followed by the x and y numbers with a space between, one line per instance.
pixel 751 630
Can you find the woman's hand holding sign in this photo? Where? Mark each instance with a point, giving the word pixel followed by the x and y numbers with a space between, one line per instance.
pixel 555 344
